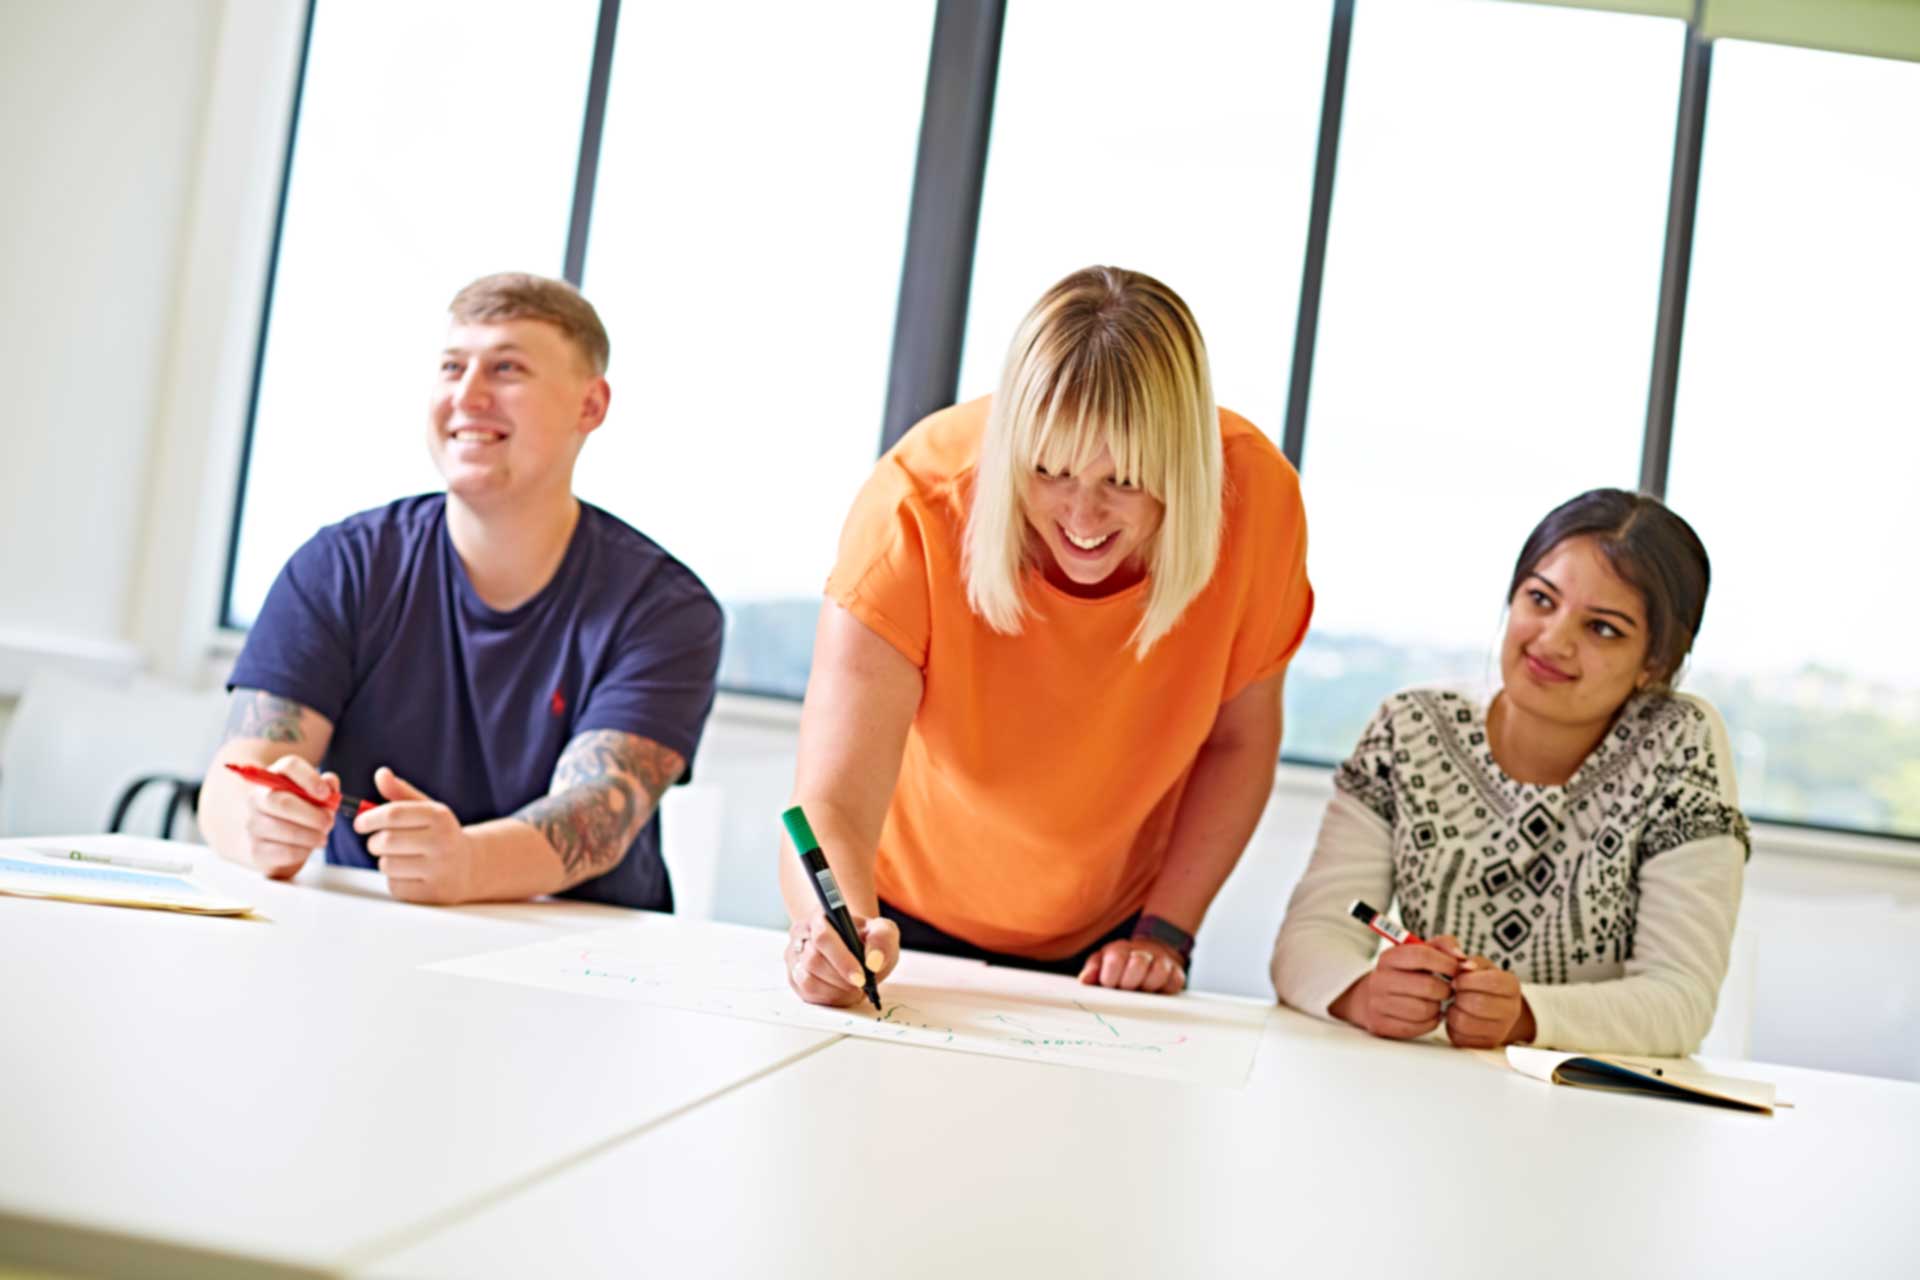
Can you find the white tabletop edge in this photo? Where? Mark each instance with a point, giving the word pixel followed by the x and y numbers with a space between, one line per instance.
pixel 398 1241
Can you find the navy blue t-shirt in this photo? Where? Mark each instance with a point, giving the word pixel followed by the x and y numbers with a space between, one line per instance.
pixel 375 625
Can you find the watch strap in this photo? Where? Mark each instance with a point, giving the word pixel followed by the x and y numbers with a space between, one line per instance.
pixel 1158 929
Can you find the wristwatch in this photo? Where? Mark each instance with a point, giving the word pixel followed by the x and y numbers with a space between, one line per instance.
pixel 1168 933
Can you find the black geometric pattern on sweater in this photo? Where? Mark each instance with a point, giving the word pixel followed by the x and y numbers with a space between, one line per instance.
pixel 1534 875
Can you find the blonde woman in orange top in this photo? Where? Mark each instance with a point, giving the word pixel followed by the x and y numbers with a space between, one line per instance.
pixel 1044 708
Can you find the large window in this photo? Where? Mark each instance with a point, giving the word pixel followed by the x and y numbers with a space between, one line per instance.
pixel 1178 141
pixel 750 216
pixel 1797 429
pixel 1489 257
pixel 413 172
pixel 1492 286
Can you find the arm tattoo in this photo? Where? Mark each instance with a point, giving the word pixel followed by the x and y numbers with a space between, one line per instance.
pixel 253 714
pixel 604 790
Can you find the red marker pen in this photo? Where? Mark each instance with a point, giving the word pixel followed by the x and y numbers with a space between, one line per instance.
pixel 1393 933
pixel 281 782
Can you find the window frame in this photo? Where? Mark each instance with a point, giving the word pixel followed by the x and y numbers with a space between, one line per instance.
pixel 943 221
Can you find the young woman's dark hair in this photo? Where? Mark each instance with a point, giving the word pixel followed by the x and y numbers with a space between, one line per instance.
pixel 1653 550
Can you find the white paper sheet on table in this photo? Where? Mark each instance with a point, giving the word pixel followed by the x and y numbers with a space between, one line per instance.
pixel 934 1001
pixel 35 875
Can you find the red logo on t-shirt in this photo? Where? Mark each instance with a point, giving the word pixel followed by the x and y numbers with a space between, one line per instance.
pixel 559 703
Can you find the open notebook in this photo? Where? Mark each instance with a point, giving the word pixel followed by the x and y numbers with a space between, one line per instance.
pixel 1677 1078
pixel 32 877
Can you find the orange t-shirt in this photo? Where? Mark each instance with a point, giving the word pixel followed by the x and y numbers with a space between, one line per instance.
pixel 1043 770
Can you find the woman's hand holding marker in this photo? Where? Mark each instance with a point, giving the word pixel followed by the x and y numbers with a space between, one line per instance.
pixel 820 968
pixel 1415 985
pixel 1487 1010
pixel 1405 995
pixel 821 944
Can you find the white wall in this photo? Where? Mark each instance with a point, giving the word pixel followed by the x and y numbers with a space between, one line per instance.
pixel 101 105
pixel 141 142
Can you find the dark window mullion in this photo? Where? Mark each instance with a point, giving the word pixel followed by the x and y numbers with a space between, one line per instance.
pixel 591 128
pixel 1682 203
pixel 224 611
pixel 1294 437
pixel 949 175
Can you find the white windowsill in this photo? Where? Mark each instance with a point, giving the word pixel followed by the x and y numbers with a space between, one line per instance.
pixel 24 652
pixel 1313 781
pixel 21 653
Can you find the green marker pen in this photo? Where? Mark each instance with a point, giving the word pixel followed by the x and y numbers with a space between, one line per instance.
pixel 828 891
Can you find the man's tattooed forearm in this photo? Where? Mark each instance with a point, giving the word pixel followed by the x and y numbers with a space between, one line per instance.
pixel 605 788
pixel 253 714
pixel 602 753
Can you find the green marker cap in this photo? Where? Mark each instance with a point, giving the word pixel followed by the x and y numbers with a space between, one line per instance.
pixel 797 827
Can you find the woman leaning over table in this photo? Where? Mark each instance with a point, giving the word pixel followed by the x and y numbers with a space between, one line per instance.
pixel 1045 700
pixel 1572 848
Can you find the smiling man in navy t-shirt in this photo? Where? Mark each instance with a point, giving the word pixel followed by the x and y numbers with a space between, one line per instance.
pixel 516 674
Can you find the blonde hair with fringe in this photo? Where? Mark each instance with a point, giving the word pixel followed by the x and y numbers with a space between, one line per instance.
pixel 1113 358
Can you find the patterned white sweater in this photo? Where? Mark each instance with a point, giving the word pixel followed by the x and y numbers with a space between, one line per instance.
pixel 1612 896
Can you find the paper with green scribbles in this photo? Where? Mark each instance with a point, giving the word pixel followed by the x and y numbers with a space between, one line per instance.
pixel 932 1001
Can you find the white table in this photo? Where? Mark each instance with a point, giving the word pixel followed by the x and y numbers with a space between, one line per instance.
pixel 179 1092
pixel 1345 1155
pixel 199 1097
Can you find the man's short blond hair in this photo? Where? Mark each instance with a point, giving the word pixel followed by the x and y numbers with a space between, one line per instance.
pixel 518 295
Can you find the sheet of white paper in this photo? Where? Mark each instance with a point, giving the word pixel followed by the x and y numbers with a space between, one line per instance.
pixel 30 876
pixel 1538 1063
pixel 934 1001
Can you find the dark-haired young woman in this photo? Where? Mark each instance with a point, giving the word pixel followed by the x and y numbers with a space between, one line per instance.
pixel 1571 849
